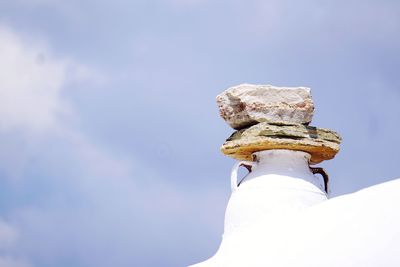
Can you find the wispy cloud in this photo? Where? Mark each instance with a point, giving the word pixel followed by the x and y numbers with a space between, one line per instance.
pixel 30 85
pixel 32 102
pixel 8 242
pixel 89 197
pixel 8 235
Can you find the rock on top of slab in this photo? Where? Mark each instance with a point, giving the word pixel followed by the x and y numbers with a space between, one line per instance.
pixel 248 104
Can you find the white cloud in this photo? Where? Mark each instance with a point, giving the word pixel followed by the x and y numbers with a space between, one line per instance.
pixel 8 240
pixel 30 84
pixel 8 235
pixel 119 198
pixel 32 99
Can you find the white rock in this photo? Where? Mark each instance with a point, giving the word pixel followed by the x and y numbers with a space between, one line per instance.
pixel 248 104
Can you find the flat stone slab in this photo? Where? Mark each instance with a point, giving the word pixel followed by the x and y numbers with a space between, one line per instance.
pixel 248 104
pixel 322 144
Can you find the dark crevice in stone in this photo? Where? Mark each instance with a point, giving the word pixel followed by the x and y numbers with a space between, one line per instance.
pixel 286 137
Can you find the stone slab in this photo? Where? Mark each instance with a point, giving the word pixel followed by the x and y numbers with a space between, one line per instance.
pixel 322 144
pixel 248 104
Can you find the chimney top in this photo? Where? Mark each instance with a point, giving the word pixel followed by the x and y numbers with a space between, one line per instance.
pixel 268 117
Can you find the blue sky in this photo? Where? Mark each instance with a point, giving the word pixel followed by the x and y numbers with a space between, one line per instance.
pixel 109 131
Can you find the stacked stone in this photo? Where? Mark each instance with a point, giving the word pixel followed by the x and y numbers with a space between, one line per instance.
pixel 269 117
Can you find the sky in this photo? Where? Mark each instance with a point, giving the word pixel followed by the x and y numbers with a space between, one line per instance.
pixel 109 130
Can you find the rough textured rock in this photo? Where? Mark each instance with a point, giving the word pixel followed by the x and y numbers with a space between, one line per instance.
pixel 248 104
pixel 322 144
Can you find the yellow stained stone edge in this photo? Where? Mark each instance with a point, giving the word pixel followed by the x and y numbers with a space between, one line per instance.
pixel 319 149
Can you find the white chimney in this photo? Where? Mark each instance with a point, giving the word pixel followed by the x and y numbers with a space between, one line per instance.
pixel 279 214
